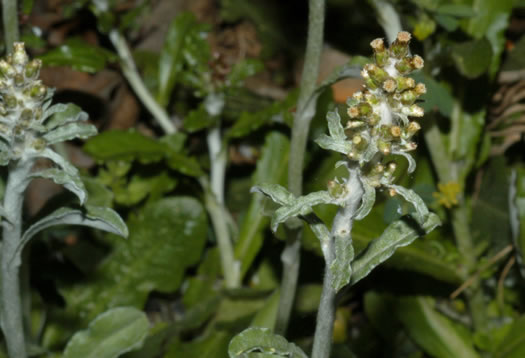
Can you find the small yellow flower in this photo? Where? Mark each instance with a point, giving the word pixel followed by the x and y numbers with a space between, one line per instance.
pixel 447 194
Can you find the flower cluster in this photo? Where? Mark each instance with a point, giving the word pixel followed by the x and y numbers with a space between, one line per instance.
pixel 379 123
pixel 21 110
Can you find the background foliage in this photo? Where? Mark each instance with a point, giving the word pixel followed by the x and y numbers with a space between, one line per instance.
pixel 226 73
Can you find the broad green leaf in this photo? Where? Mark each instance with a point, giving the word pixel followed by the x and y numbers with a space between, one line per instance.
pixel 457 10
pixel 299 207
pixel 438 96
pixel 140 186
pixel 27 6
pixel 167 237
pixel 110 335
pixel 70 131
pixel 171 55
pixel 199 119
pixel 267 316
pixel 396 235
pixel 513 345
pixel 79 55
pixel 73 183
pixel 186 165
pixel 271 169
pixel 436 334
pixel 154 344
pixel 60 114
pixel 369 198
pixel 341 266
pixel 93 216
pixel 472 58
pixel 212 345
pixel 261 340
pixel 125 145
pixel 450 23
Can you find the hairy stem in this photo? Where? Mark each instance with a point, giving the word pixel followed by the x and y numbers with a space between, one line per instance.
pixel 215 205
pixel 12 317
pixel 131 73
pixel 341 230
pixel 10 19
pixel 304 114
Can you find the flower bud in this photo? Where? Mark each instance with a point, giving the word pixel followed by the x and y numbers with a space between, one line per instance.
pixel 39 144
pixel 384 147
pixel 408 97
pixel 413 111
pixel 10 101
pixel 6 69
pixel 359 142
pixel 19 55
pixel 365 109
pixel 399 47
pixel 335 189
pixel 389 85
pixel 33 68
pixel 404 83
pixel 420 89
pixel 404 65
pixel 353 112
pixel 38 91
pixel 410 146
pixel 413 128
pixel 417 62
pixel 19 80
pixel 377 74
pixel 392 192
pixel 395 131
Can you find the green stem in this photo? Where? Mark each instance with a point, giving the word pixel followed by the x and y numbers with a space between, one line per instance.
pixel 12 317
pixel 304 114
pixel 341 230
pixel 10 19
pixel 131 73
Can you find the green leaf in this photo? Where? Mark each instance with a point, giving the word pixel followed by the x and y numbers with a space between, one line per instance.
pixel 73 183
pixel 110 335
pixel 341 266
pixel 125 145
pixel 199 119
pixel 186 165
pixel 436 334
pixel 212 345
pixel 271 169
pixel 450 23
pixel 438 96
pixel 513 345
pixel 396 235
pixel 337 145
pixel 299 207
pixel 27 6
pixel 167 237
pixel 253 340
pixel 96 217
pixel 472 58
pixel 421 213
pixel 457 10
pixel 242 70
pixel 267 316
pixel 335 127
pixel 60 114
pixel 79 55
pixel 171 56
pixel 369 198
pixel 58 160
pixel 70 131
pixel 276 192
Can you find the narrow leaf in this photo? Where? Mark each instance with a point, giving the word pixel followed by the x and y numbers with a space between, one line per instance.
pixel 328 143
pixel 421 213
pixel 73 183
pixel 276 192
pixel 58 160
pixel 70 131
pixel 300 206
pixel 369 198
pixel 261 340
pixel 334 126
pixel 396 235
pixel 411 160
pixel 110 335
pixel 61 113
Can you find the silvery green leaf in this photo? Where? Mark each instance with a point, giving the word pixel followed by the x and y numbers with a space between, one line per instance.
pixel 411 161
pixel 63 113
pixel 334 126
pixel 276 192
pixel 72 183
pixel 58 160
pixel 421 213
pixel 111 334
pixel 96 217
pixel 369 153
pixel 368 200
pixel 340 267
pixel 299 207
pixel 70 131
pixel 262 341
pixel 398 234
pixel 329 143
pixel 4 158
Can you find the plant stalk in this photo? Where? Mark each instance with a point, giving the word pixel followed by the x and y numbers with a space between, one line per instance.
pixel 300 129
pixel 341 230
pixel 10 19
pixel 131 73
pixel 12 316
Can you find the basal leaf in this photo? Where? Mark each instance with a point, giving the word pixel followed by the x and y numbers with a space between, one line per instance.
pixel 431 330
pixel 272 169
pixel 396 235
pixel 260 340
pixel 125 145
pixel 167 236
pixel 70 131
pixel 73 183
pixel 110 335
